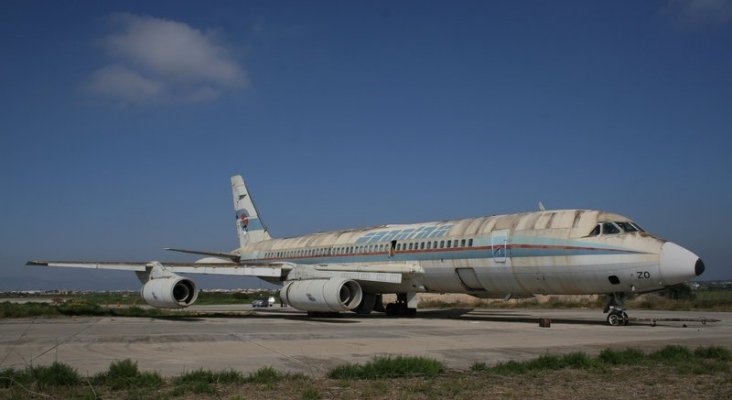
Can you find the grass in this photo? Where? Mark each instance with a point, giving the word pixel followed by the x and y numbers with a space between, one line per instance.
pixel 56 374
pixel 684 360
pixel 131 304
pixel 203 381
pixel 708 299
pixel 621 357
pixel 389 367
pixel 28 310
pixel 674 371
pixel 125 375
pixel 113 305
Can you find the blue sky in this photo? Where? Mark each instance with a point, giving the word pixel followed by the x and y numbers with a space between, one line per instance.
pixel 122 122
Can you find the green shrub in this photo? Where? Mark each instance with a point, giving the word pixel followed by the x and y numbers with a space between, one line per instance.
pixel 25 310
pixel 546 362
pixel 622 357
pixel 202 375
pixel 124 374
pixel 577 360
pixel 672 353
pixel 714 352
pixel 478 366
pixel 510 368
pixel 389 367
pixel 80 308
pixel 57 374
pixel 10 377
pixel 310 393
pixel 266 375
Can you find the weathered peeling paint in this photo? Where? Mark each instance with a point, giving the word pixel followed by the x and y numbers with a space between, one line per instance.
pixel 546 252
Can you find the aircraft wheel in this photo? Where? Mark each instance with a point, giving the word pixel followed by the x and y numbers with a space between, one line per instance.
pixel 624 317
pixel 614 319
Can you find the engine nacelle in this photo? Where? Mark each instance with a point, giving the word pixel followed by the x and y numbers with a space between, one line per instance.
pixel 171 292
pixel 324 295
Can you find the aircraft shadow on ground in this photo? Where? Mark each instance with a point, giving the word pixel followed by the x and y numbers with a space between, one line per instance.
pixel 463 314
pixel 466 314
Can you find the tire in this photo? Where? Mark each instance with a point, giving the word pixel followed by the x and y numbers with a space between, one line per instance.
pixel 614 319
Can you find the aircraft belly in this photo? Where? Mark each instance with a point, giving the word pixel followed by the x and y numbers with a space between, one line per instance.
pixel 584 274
pixel 587 274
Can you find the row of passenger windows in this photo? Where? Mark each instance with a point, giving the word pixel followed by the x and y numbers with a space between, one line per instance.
pixel 612 228
pixel 371 248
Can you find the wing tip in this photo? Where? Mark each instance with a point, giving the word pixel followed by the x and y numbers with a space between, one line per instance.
pixel 37 262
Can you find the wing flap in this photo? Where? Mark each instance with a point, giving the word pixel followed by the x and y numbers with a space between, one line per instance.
pixel 383 273
pixel 230 256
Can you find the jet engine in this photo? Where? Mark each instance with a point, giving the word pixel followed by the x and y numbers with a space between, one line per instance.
pixel 170 292
pixel 322 295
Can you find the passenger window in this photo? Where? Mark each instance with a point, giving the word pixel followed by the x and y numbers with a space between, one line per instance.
pixel 442 244
pixel 449 242
pixel 429 245
pixel 608 228
pixel 462 243
pixel 421 246
pixel 470 242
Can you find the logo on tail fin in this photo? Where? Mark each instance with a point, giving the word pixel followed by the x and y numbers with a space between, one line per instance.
pixel 243 217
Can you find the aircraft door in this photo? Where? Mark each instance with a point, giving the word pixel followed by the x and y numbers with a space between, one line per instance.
pixel 499 246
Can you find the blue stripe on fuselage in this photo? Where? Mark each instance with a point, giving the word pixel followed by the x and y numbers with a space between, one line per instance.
pixel 479 252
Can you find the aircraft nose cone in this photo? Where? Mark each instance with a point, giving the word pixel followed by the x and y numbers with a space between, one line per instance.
pixel 678 264
pixel 699 267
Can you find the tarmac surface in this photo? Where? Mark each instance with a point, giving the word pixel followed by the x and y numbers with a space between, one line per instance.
pixel 238 338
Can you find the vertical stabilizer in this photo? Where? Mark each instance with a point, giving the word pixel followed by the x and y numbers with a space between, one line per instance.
pixel 249 226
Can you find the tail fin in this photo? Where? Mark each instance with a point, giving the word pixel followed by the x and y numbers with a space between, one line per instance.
pixel 248 224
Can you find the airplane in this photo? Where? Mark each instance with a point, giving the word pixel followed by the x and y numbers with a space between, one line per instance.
pixel 559 252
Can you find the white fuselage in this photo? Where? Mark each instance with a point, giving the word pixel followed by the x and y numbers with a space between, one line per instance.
pixel 545 252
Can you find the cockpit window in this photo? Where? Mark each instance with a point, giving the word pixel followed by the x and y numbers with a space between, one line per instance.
pixel 609 228
pixel 614 228
pixel 637 227
pixel 596 231
pixel 627 226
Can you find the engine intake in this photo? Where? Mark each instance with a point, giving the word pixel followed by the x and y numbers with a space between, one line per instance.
pixel 326 295
pixel 171 292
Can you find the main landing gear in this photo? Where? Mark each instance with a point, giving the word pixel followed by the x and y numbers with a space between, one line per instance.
pixel 615 309
pixel 406 305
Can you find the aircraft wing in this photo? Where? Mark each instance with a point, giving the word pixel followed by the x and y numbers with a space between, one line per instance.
pixel 382 272
pixel 222 267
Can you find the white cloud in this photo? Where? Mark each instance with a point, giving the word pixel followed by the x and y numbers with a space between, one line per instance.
pixel 700 13
pixel 154 60
pixel 123 84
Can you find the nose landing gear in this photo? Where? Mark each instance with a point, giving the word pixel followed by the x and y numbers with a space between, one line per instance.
pixel 617 318
pixel 615 309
